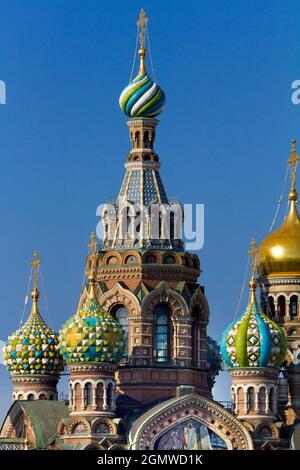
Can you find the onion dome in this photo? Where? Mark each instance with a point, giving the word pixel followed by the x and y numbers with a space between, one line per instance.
pixel 142 97
pixel 253 340
pixel 33 348
pixel 279 252
pixel 92 334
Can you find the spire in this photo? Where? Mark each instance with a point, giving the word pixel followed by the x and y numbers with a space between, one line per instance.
pixel 293 216
pixel 93 256
pixel 253 283
pixel 142 24
pixel 35 293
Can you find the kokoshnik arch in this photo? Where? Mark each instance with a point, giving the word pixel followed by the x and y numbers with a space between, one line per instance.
pixel 141 364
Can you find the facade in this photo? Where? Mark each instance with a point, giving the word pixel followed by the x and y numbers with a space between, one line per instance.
pixel 141 365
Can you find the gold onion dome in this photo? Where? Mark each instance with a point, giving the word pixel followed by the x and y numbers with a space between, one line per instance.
pixel 253 340
pixel 142 97
pixel 279 252
pixel 33 348
pixel 92 334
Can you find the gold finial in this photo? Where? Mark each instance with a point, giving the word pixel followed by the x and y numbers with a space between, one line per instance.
pixel 35 265
pixel 142 24
pixel 93 256
pixel 292 162
pixel 35 293
pixel 93 245
pixel 253 252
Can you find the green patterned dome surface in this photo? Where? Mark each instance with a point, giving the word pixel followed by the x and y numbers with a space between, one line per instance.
pixel 92 335
pixel 253 340
pixel 33 348
pixel 142 97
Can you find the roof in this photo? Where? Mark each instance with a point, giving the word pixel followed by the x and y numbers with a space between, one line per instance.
pixel 44 416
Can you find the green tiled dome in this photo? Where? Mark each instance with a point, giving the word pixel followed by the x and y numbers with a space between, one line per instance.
pixel 33 348
pixel 92 335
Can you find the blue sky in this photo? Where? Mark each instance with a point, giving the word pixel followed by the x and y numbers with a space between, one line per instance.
pixel 226 68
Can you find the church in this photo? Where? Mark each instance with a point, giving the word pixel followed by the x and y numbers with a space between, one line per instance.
pixel 140 362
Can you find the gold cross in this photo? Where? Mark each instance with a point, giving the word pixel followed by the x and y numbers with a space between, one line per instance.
pixel 292 162
pixel 93 246
pixel 35 265
pixel 252 252
pixel 73 338
pixel 142 22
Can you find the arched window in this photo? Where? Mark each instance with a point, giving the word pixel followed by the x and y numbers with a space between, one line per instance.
pixel 121 315
pixel 281 306
pixel 262 400
pixel 271 307
pixel 146 139
pixel 161 333
pixel 294 306
pixel 110 392
pixel 30 396
pixel 42 396
pixel 88 394
pixel 272 400
pixel 250 398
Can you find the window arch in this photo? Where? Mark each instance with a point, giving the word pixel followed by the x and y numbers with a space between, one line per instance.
pixel 271 307
pixel 88 394
pixel 161 333
pixel 30 396
pixel 281 306
pixel 262 400
pixel 250 398
pixel 272 399
pixel 110 394
pixel 294 306
pixel 121 315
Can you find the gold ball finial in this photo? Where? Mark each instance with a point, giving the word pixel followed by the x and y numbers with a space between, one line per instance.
pixel 35 294
pixel 253 284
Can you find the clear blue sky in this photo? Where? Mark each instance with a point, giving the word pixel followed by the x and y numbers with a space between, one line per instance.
pixel 226 68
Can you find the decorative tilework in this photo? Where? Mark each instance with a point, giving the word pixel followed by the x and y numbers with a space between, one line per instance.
pixel 33 349
pixel 253 340
pixel 92 335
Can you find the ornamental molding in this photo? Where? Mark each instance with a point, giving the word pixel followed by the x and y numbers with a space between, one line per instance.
pixel 142 164
pixel 267 282
pixel 111 425
pixel 254 372
pixel 74 422
pixel 159 271
pixel 199 301
pixel 142 122
pixel 14 415
pixel 273 428
pixel 165 294
pixel 44 379
pixel 149 427
pixel 92 367
pixel 119 295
